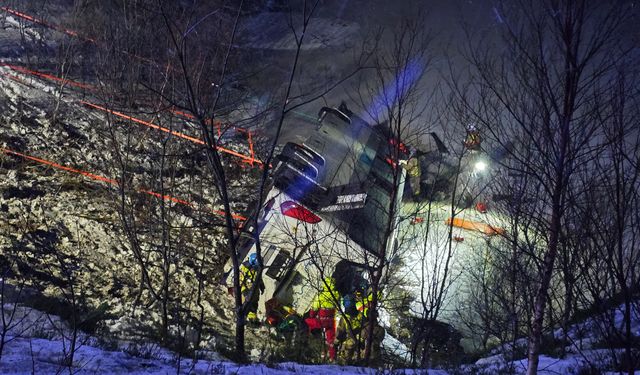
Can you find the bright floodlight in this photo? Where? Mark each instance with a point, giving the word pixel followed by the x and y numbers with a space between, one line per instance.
pixel 480 166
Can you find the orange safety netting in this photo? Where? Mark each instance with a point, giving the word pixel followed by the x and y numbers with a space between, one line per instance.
pixel 247 159
pixel 51 77
pixel 44 23
pixel 218 126
pixel 199 141
pixel 110 181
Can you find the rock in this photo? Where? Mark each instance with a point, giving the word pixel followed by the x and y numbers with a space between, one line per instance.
pixel 22 193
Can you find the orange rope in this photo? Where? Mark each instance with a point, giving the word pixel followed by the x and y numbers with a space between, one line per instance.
pixel 66 31
pixel 48 76
pixel 61 167
pixel 44 23
pixel 169 131
pixel 111 181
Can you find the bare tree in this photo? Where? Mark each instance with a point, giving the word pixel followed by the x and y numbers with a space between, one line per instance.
pixel 623 251
pixel 392 95
pixel 204 107
pixel 11 295
pixel 160 201
pixel 539 89
pixel 611 211
pixel 194 67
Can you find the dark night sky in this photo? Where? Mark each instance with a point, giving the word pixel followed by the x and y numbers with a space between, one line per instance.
pixel 442 15
pixel 443 19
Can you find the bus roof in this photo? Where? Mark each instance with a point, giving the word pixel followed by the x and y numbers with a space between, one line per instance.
pixel 355 154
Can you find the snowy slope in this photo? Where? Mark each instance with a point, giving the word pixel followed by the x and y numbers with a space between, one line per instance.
pixel 36 345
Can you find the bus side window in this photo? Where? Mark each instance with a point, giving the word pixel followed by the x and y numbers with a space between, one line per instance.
pixel 279 266
pixel 245 244
pixel 267 208
pixel 265 212
pixel 271 249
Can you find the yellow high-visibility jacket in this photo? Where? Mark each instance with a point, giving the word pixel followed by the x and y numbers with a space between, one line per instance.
pixel 247 277
pixel 364 304
pixel 328 298
pixel 413 167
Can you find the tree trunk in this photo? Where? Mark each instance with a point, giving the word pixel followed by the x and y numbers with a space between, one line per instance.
pixel 539 306
pixel 628 360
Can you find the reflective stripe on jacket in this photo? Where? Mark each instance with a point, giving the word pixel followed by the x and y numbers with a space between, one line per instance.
pixel 364 304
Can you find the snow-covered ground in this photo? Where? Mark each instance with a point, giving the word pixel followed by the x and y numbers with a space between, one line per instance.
pixel 84 216
pixel 586 351
pixel 45 209
pixel 38 342
pixel 43 356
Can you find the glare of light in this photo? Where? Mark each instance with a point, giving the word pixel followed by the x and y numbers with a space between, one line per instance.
pixel 480 166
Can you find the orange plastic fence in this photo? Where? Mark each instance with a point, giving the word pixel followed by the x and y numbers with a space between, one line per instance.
pixel 474 225
pixel 109 181
pixel 65 31
pixel 44 23
pixel 51 77
pixel 245 158
pixel 218 125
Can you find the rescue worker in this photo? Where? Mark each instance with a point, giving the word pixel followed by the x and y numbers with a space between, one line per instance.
pixel 322 314
pixel 378 336
pixel 413 171
pixel 348 331
pixel 248 273
pixel 473 140
pixel 353 331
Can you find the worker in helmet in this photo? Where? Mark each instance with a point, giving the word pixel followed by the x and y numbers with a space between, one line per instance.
pixel 472 141
pixel 413 172
pixel 248 273
pixel 353 329
pixel 348 331
pixel 322 314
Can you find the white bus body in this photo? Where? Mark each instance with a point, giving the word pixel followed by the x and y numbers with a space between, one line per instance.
pixel 330 201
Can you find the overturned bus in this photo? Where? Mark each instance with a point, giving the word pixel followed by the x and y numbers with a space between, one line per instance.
pixel 330 201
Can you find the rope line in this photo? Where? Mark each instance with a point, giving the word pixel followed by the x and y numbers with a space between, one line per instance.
pixel 113 182
pixel 199 141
